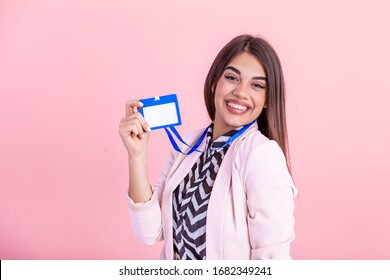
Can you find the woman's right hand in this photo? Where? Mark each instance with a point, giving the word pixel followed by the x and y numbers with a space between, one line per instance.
pixel 134 130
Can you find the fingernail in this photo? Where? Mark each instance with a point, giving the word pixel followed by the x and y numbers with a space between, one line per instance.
pixel 140 103
pixel 148 129
pixel 142 136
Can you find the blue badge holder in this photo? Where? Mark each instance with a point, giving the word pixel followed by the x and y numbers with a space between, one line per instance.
pixel 161 111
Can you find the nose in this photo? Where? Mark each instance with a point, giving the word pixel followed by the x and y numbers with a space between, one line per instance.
pixel 239 91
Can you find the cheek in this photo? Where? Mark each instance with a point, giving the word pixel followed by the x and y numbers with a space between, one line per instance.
pixel 222 89
pixel 259 102
pixel 218 91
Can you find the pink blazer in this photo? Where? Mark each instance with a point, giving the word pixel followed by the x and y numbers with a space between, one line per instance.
pixel 250 212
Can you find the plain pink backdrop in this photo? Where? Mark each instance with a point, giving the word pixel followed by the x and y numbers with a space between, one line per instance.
pixel 67 68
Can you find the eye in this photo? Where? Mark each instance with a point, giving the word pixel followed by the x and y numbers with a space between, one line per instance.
pixel 259 86
pixel 231 78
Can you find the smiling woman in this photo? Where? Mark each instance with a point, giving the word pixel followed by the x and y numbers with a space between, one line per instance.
pixel 239 96
pixel 235 200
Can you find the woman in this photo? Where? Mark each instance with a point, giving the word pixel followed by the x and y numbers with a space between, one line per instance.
pixel 235 199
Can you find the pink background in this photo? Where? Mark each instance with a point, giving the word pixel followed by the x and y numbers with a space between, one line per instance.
pixel 67 68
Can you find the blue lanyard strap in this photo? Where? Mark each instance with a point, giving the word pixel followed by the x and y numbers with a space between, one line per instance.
pixel 200 140
pixel 176 147
pixel 234 137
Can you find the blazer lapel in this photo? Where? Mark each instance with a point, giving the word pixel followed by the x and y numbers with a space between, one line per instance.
pixel 218 199
pixel 180 168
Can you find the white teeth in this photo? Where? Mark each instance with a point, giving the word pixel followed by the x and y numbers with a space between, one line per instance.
pixel 236 106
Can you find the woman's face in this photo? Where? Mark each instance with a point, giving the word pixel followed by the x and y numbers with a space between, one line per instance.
pixel 240 94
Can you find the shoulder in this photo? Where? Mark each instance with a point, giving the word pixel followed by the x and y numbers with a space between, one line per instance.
pixel 255 150
pixel 262 160
pixel 256 142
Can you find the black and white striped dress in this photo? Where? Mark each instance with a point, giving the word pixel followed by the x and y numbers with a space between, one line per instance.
pixel 191 198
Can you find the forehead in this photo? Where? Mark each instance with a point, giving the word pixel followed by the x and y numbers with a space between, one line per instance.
pixel 247 64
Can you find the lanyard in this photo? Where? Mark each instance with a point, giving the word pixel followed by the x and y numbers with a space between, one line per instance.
pixel 200 140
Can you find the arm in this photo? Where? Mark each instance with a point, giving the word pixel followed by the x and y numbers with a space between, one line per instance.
pixel 146 219
pixel 134 132
pixel 270 200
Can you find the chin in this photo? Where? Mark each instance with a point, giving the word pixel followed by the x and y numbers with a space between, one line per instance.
pixel 239 123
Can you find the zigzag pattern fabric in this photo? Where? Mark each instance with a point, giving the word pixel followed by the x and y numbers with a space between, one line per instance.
pixel 191 198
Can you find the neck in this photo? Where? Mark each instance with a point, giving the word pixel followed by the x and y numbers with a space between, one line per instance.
pixel 219 131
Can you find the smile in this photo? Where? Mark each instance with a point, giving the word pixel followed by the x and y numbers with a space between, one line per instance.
pixel 237 106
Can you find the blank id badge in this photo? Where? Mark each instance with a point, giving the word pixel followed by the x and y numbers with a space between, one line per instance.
pixel 161 111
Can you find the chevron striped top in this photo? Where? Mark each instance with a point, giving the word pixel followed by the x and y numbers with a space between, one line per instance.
pixel 191 197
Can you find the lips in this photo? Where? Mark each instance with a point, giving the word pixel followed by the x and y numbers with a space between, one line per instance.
pixel 237 105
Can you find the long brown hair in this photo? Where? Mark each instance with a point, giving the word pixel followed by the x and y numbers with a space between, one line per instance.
pixel 272 120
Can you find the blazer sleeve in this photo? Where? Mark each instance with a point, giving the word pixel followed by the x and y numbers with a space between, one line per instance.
pixel 270 200
pixel 145 218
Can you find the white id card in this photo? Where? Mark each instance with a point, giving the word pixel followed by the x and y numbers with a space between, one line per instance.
pixel 161 111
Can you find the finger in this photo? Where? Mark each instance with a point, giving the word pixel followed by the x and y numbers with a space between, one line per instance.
pixel 140 130
pixel 139 118
pixel 142 121
pixel 136 120
pixel 132 130
pixel 132 105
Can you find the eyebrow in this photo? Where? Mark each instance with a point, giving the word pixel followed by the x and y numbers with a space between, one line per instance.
pixel 239 73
